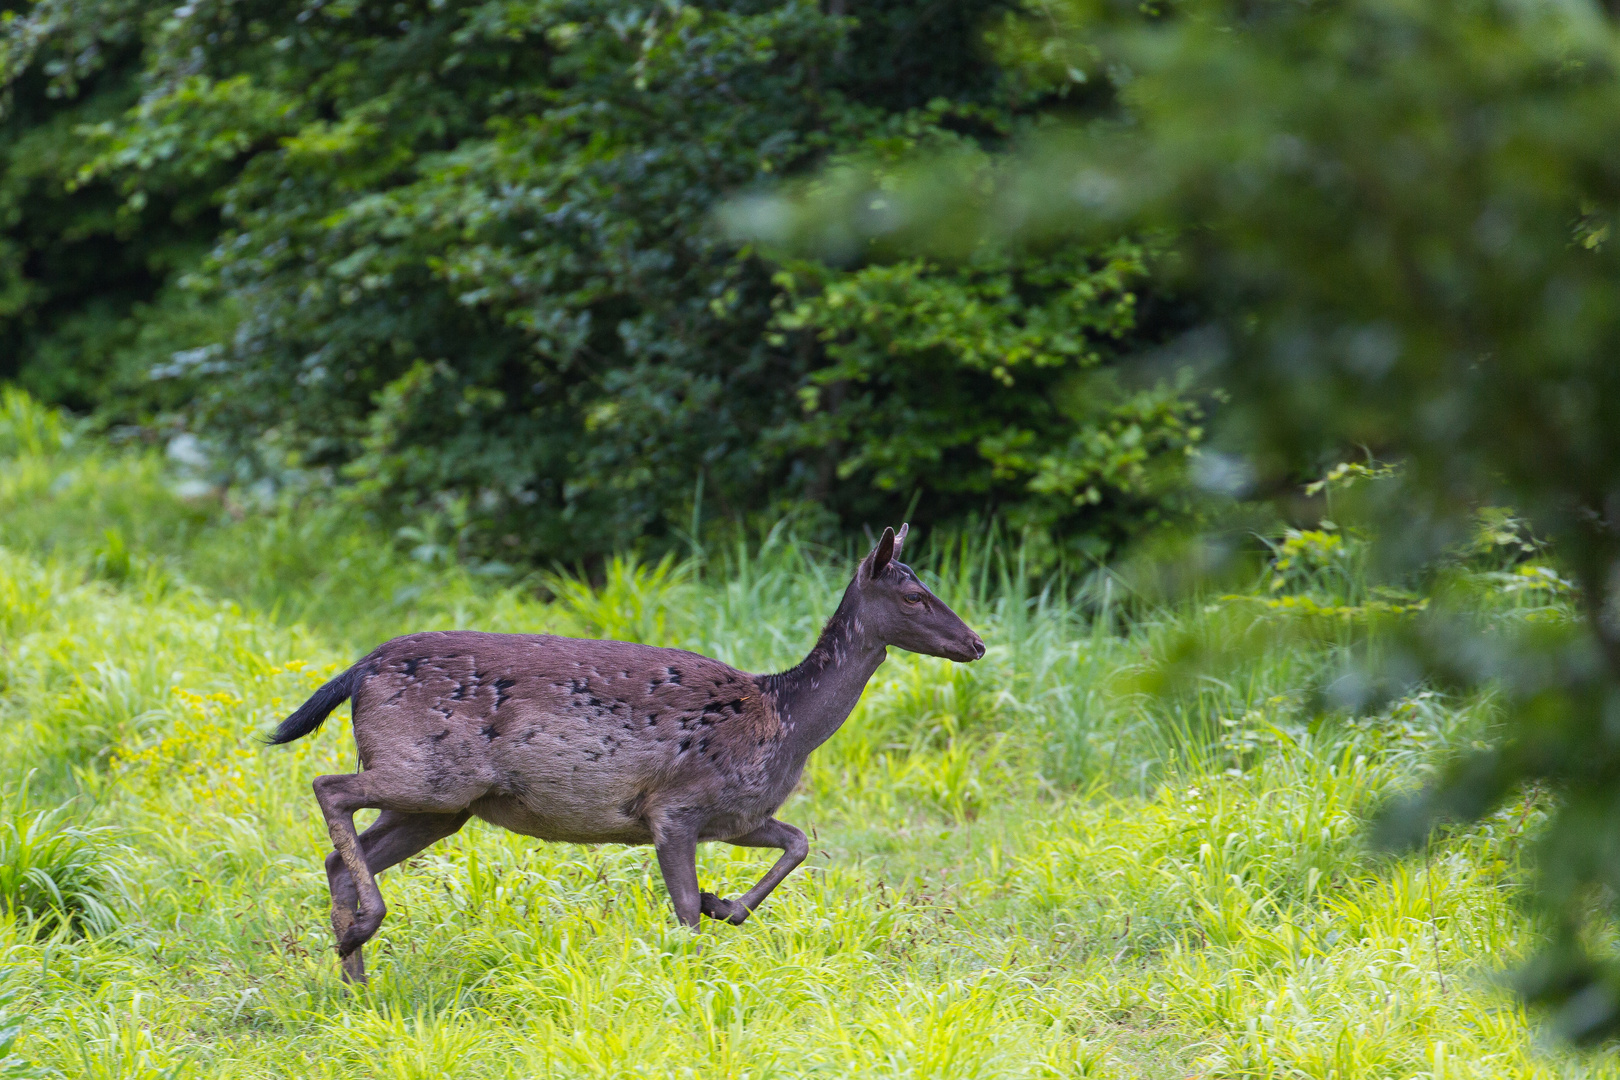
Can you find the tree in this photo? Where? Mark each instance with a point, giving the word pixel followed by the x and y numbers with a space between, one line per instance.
pixel 459 259
pixel 1398 215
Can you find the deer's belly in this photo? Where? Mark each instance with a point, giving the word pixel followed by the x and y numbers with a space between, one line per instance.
pixel 558 797
pixel 592 824
pixel 598 784
pixel 570 785
pixel 571 820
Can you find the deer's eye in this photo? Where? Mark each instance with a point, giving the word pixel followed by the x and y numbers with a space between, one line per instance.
pixel 914 597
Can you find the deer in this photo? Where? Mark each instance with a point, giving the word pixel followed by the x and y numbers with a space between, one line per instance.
pixel 600 742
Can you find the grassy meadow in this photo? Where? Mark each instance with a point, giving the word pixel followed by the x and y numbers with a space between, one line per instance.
pixel 1027 867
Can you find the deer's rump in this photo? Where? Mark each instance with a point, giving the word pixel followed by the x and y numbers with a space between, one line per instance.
pixel 567 739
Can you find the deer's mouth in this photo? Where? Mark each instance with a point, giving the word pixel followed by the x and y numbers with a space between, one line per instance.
pixel 965 652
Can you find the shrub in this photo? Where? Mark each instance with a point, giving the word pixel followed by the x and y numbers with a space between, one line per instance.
pixel 465 257
pixel 56 873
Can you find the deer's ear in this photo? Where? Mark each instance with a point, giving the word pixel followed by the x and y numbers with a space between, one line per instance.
pixel 882 553
pixel 900 538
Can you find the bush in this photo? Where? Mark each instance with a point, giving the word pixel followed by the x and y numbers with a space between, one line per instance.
pixel 463 257
pixel 55 873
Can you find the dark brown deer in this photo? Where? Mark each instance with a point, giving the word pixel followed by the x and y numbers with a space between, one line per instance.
pixel 600 742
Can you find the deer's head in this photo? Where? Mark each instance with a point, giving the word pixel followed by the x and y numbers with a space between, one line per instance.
pixel 897 609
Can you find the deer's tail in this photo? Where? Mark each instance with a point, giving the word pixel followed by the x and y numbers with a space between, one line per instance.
pixel 313 713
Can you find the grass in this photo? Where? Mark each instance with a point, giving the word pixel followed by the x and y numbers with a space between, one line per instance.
pixel 1031 866
pixel 54 873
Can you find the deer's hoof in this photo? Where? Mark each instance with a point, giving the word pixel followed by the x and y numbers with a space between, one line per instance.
pixel 724 910
pixel 354 968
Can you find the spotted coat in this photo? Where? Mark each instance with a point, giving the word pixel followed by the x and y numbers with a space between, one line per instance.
pixel 564 739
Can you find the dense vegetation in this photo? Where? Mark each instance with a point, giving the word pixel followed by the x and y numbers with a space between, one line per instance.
pixel 1399 219
pixel 516 282
pixel 461 258
pixel 1030 866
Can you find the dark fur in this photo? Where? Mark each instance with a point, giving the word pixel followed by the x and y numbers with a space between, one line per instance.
pixel 563 739
pixel 313 713
pixel 598 741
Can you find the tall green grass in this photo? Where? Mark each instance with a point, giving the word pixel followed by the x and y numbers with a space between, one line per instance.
pixel 55 873
pixel 1082 856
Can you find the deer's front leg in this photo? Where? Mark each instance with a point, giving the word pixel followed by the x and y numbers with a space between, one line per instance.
pixel 677 858
pixel 772 834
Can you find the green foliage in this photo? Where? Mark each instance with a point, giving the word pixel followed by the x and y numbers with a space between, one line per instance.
pixel 128 519
pixel 1397 215
pixel 88 280
pixel 1023 867
pixel 631 603
pixel 55 873
pixel 462 258
pixel 13 1066
pixel 27 429
pixel 986 380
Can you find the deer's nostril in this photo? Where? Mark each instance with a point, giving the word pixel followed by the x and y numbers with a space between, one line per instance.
pixel 978 648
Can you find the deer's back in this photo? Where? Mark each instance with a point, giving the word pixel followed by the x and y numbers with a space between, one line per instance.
pixel 570 739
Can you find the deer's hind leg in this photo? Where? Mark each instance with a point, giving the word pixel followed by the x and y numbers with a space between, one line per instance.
pixel 399 790
pixel 394 837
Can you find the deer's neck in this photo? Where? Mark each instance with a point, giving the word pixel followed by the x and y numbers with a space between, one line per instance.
pixel 815 698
